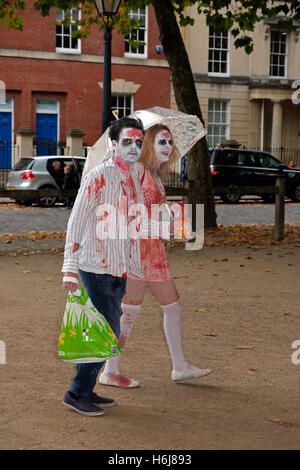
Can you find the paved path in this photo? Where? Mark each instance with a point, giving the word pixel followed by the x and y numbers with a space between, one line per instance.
pixel 254 214
pixel 55 219
pixel 52 219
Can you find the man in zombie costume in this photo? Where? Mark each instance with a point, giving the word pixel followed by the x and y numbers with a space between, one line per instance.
pixel 103 258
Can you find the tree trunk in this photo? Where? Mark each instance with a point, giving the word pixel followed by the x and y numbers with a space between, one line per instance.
pixel 200 185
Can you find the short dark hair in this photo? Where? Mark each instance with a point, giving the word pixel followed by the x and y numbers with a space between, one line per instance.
pixel 117 126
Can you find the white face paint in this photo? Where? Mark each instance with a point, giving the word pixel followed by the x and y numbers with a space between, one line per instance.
pixel 162 146
pixel 129 145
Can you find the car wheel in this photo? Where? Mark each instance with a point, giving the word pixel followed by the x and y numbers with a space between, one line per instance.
pixel 296 193
pixel 231 197
pixel 47 201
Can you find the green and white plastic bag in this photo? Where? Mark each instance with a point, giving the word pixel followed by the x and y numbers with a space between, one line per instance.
pixel 85 334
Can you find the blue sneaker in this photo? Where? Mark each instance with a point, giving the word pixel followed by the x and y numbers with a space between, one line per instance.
pixel 97 400
pixel 82 405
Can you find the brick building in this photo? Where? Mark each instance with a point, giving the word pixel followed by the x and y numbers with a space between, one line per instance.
pixel 53 83
pixel 252 99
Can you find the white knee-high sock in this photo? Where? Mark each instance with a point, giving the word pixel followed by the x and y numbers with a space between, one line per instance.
pixel 173 333
pixel 130 314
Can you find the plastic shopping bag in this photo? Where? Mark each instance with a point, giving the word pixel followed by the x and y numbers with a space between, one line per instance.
pixel 85 334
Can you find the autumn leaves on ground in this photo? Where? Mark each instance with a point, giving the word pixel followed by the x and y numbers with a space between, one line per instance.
pixel 241 315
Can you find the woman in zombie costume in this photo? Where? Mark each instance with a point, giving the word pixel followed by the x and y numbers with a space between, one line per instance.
pixel 157 155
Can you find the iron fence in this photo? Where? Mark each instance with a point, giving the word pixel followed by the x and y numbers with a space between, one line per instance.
pixel 8 155
pixel 43 147
pixel 3 177
pixel 175 178
pixel 286 155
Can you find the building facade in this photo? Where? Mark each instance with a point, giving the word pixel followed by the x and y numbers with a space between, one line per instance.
pixel 252 99
pixel 51 83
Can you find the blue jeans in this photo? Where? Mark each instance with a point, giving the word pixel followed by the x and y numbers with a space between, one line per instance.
pixel 106 293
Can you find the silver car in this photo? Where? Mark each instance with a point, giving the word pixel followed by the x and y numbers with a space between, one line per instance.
pixel 35 173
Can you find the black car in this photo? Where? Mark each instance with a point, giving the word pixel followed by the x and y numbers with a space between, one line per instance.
pixel 236 168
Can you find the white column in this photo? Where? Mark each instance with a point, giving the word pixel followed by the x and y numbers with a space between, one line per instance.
pixel 277 124
pixel 262 124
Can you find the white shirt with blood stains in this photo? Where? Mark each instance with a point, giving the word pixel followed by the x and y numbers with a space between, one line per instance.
pixel 99 199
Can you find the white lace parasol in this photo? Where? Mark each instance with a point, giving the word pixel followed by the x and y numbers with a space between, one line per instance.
pixel 186 131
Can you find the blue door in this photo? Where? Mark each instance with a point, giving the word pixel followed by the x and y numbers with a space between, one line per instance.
pixel 5 140
pixel 46 134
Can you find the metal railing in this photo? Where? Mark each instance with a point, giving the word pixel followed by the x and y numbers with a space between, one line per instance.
pixel 174 179
pixel 3 177
pixel 286 155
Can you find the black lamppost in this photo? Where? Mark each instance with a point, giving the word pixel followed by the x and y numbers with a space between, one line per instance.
pixel 106 9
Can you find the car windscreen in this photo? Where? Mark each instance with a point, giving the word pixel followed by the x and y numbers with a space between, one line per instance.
pixel 23 164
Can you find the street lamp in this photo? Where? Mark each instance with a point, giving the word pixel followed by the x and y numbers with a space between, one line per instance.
pixel 106 9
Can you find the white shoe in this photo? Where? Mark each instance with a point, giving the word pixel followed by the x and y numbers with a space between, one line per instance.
pixel 189 373
pixel 117 380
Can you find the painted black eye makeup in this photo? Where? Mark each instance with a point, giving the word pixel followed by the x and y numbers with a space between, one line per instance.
pixel 126 142
pixel 164 142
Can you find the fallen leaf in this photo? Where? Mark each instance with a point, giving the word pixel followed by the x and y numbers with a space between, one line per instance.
pixel 284 423
pixel 27 271
pixel 242 347
pixel 286 314
pixel 252 369
pixel 209 334
pixel 224 259
pixel 49 280
pixel 201 310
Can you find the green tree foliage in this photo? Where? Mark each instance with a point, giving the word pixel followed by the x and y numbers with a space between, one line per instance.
pixel 238 16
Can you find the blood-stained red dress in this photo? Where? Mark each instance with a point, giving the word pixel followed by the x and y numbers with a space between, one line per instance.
pixel 155 264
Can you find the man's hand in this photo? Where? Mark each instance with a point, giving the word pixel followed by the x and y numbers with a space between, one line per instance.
pixel 72 286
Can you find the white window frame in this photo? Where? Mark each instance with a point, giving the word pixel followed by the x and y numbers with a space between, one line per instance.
pixel 219 74
pixel 45 110
pixel 68 50
pixel 138 55
pixel 119 95
pixel 218 122
pixel 279 54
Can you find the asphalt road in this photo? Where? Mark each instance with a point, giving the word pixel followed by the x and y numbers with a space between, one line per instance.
pixel 55 219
